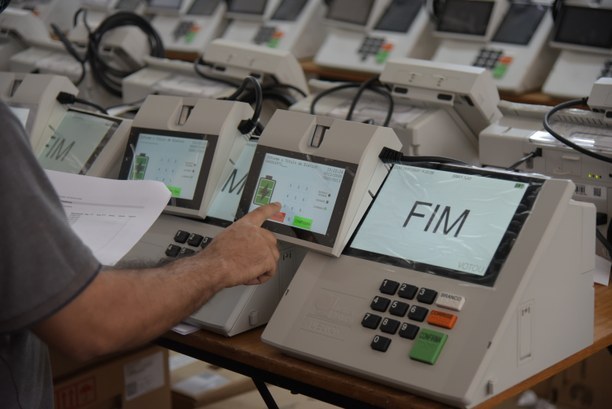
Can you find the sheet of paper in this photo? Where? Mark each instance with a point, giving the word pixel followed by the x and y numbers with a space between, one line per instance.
pixel 110 216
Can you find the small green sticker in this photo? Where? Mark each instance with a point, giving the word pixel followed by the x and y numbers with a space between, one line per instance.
pixel 302 222
pixel 427 346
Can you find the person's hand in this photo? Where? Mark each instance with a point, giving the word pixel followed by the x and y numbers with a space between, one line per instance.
pixel 247 252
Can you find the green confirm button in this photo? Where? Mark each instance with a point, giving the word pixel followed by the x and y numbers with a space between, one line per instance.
pixel 427 346
pixel 302 222
pixel 175 191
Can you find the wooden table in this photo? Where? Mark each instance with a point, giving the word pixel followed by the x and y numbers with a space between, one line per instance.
pixel 246 354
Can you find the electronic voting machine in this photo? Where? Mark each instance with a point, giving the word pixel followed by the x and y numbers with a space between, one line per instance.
pixel 63 138
pixel 583 32
pixel 294 26
pixel 363 35
pixel 517 54
pixel 520 131
pixel 456 285
pixel 225 61
pixel 246 17
pixel 18 28
pixel 33 99
pixel 439 108
pixel 186 26
pixel 195 148
pixel 324 177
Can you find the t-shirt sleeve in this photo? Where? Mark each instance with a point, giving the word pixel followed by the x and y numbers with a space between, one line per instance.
pixel 43 263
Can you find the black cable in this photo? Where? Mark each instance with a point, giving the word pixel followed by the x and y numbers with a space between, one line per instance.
pixel 67 98
pixel 106 75
pixel 277 84
pixel 287 100
pixel 72 51
pixel 249 125
pixel 388 155
pixel 328 91
pixel 533 154
pixel 369 84
pixel 604 241
pixel 547 126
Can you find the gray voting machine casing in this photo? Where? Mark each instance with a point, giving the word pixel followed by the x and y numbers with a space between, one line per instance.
pixel 63 138
pixel 458 284
pixel 323 171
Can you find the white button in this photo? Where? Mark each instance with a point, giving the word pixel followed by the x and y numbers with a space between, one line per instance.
pixel 451 301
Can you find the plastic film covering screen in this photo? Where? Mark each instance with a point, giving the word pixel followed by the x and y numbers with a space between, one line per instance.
pixel 398 17
pixel 224 205
pixel 180 160
pixel 350 11
pixel 520 23
pixel 77 141
pixel 289 10
pixel 247 6
pixel 585 26
pixel 465 16
pixel 451 221
pixel 313 192
pixel 203 7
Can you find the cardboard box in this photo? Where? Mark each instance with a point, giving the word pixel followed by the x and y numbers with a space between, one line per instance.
pixel 283 398
pixel 136 380
pixel 195 383
pixel 585 385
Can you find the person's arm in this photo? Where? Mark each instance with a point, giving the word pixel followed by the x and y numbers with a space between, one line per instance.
pixel 125 308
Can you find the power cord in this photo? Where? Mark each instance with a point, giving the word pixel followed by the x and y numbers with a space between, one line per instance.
pixel 67 98
pixel 106 75
pixel 380 88
pixel 249 125
pixel 388 155
pixel 548 127
pixel 533 154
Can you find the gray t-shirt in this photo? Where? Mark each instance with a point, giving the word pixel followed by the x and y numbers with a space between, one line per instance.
pixel 43 266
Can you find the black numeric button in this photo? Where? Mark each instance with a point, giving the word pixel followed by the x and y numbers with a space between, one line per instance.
pixel 172 250
pixel 380 343
pixel 427 296
pixel 371 320
pixel 398 308
pixel 181 236
pixel 417 313
pixel 407 291
pixel 408 331
pixel 206 241
pixel 389 287
pixel 380 304
pixel 389 325
pixel 185 252
pixel 195 240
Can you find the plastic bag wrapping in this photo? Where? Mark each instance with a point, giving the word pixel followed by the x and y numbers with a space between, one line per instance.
pixel 448 220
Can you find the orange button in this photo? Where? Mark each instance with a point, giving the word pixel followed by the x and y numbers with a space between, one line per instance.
pixel 506 59
pixel 442 319
pixel 387 46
